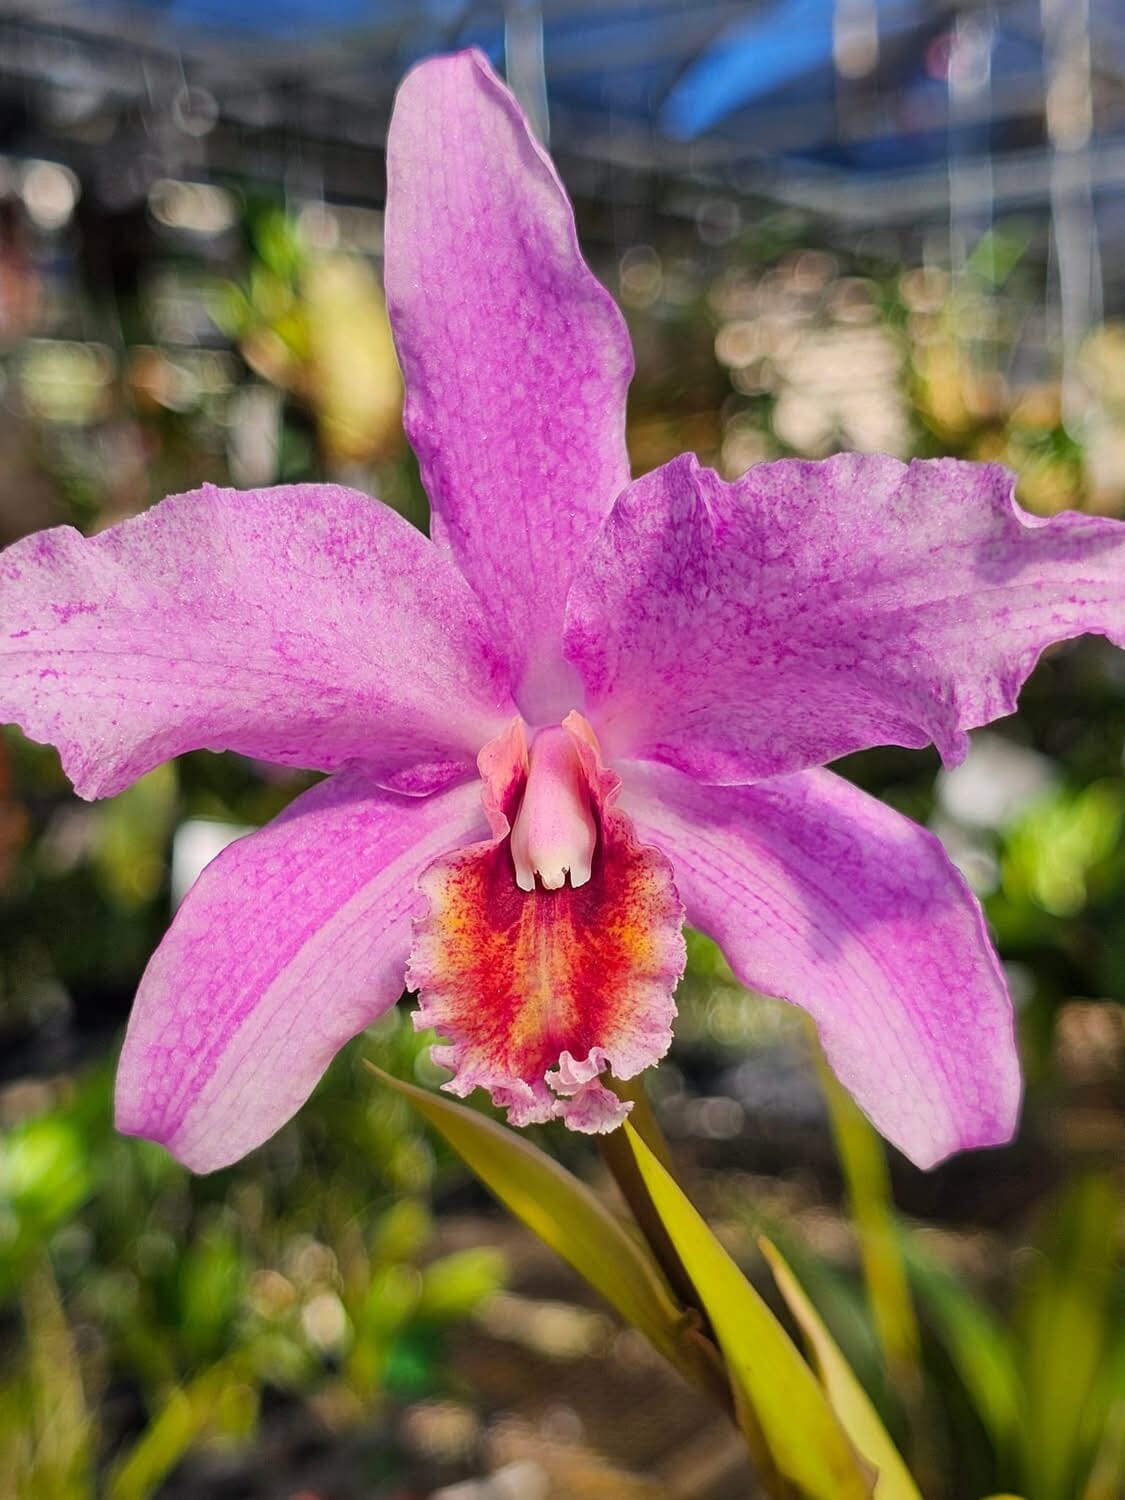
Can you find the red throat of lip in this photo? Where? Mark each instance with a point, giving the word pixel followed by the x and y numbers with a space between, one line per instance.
pixel 550 952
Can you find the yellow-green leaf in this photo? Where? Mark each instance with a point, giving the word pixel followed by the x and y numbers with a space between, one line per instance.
pixel 1066 1325
pixel 848 1399
pixel 566 1215
pixel 188 1413
pixel 786 1406
pixel 863 1158
pixel 60 1426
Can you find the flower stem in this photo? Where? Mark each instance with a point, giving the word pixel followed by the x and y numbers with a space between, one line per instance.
pixel 622 1164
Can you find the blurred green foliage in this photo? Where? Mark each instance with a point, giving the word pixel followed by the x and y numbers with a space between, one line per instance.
pixel 1046 1380
pixel 312 1269
pixel 1025 1396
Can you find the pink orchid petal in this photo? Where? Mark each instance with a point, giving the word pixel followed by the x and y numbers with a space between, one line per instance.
pixel 819 894
pixel 516 359
pixel 738 631
pixel 305 625
pixel 293 940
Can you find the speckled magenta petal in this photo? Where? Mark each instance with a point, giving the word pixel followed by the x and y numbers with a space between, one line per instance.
pixel 293 940
pixel 739 631
pixel 516 359
pixel 305 625
pixel 819 894
pixel 536 993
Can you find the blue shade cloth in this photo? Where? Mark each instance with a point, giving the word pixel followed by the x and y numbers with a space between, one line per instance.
pixel 289 19
pixel 749 60
pixel 741 81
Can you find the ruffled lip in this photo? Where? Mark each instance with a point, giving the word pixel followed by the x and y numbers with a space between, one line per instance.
pixel 539 993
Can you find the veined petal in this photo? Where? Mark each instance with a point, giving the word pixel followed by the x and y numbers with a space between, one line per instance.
pixel 305 625
pixel 516 359
pixel 738 631
pixel 293 940
pixel 822 896
pixel 537 992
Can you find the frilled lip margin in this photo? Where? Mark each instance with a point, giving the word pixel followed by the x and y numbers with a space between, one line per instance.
pixel 537 993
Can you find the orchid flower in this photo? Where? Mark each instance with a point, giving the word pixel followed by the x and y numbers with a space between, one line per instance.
pixel 587 708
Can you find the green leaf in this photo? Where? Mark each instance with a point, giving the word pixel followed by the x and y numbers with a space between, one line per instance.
pixel 566 1215
pixel 59 1421
pixel 1065 1324
pixel 781 1403
pixel 182 1420
pixel 980 1346
pixel 456 1285
pixel 863 1160
pixel 847 1397
pixel 1107 1472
